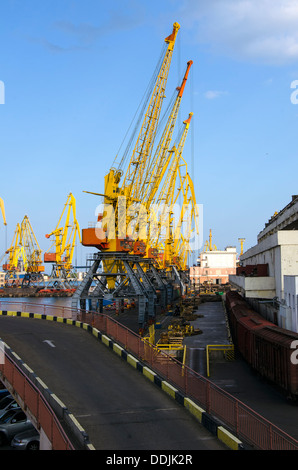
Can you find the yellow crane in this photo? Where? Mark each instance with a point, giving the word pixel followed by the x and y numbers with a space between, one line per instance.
pixel 31 247
pixel 177 184
pixel 15 253
pixel 134 177
pixel 33 266
pixel 182 221
pixel 24 255
pixel 111 236
pixel 208 244
pixel 154 173
pixel 121 268
pixel 64 235
pixel 241 240
pixel 157 166
pixel 189 216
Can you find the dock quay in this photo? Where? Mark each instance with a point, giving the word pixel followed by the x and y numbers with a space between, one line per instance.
pixel 235 376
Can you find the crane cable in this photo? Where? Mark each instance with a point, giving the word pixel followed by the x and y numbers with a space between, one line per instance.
pixel 142 106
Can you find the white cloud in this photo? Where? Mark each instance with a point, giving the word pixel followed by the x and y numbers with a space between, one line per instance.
pixel 212 94
pixel 262 30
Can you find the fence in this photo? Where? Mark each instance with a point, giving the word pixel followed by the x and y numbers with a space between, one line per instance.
pixel 35 403
pixel 248 425
pixel 32 307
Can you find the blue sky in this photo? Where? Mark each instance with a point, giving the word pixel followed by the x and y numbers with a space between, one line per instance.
pixel 74 73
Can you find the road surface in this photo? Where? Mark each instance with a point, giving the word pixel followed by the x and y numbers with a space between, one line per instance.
pixel 117 406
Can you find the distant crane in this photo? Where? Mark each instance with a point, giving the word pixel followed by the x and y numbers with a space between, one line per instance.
pixel 24 255
pixel 15 253
pixel 3 210
pixel 34 266
pixel 241 240
pixel 65 238
pixel 208 244
pixel 4 220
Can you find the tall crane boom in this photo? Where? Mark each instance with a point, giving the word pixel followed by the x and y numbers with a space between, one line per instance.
pixel 154 173
pixel 3 210
pixel 166 199
pixel 158 165
pixel 188 221
pixel 143 148
pixel 166 190
pixel 124 266
pixel 114 187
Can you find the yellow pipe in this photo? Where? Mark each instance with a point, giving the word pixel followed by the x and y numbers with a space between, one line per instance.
pixel 216 347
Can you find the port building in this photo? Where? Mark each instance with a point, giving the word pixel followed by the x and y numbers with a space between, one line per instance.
pixel 214 266
pixel 268 272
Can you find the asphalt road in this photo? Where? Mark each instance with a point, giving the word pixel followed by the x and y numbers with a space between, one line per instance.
pixel 117 406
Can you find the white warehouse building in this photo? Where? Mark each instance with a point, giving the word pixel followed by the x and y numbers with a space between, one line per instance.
pixel 289 308
pixel 268 272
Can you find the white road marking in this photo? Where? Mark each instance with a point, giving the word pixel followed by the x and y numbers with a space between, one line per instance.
pixel 49 342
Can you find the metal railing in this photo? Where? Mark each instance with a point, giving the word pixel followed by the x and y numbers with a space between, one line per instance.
pixel 35 404
pixel 226 348
pixel 248 425
pixel 39 308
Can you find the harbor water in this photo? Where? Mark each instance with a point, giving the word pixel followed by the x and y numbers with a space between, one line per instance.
pixel 54 301
pixel 56 306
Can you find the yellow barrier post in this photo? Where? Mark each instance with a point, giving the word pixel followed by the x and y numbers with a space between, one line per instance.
pixel 217 347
